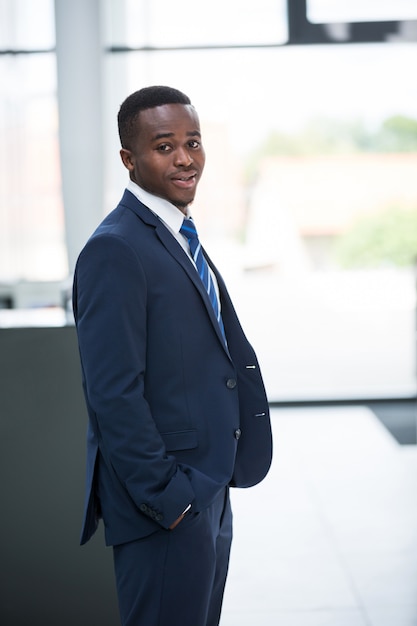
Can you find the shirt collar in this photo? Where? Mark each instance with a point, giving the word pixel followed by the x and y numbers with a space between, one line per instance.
pixel 167 212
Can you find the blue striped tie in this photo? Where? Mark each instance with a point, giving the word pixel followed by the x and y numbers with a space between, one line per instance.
pixel 189 230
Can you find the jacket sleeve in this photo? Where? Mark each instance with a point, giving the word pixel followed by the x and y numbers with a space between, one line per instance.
pixel 110 308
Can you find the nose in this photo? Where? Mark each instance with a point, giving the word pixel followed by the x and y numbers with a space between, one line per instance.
pixel 183 157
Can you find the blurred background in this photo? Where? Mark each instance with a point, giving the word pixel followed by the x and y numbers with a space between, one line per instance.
pixel 308 206
pixel 309 200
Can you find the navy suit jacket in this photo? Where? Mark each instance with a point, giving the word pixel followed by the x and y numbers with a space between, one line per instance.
pixel 174 414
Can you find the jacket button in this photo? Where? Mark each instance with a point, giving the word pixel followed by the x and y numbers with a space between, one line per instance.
pixel 231 383
pixel 238 432
pixel 144 508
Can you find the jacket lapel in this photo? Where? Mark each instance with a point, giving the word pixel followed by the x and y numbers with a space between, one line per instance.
pixel 174 248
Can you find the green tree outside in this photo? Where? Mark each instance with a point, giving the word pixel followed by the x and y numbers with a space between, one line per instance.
pixel 386 239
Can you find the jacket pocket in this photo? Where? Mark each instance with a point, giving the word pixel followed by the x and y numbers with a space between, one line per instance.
pixel 180 440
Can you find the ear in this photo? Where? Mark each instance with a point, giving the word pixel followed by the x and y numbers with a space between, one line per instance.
pixel 127 159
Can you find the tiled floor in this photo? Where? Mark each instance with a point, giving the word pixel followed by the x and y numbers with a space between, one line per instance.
pixel 330 537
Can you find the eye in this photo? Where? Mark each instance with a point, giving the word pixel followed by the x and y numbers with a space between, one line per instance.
pixel 194 144
pixel 164 147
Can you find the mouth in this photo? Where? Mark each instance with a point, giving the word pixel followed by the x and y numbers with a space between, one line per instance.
pixel 186 180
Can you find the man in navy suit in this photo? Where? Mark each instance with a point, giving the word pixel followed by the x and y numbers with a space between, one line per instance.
pixel 177 409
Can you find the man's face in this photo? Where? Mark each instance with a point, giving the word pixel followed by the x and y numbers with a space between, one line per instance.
pixel 167 157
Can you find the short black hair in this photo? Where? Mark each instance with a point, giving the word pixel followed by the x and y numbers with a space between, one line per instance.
pixel 146 98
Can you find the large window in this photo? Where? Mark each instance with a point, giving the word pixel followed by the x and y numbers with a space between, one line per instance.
pixel 307 162
pixel 32 238
pixel 309 199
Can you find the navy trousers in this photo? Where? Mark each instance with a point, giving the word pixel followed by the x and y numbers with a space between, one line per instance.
pixel 177 578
